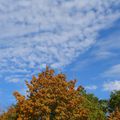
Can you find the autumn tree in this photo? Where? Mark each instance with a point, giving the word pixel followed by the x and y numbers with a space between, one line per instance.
pixel 51 97
pixel 115 115
pixel 10 114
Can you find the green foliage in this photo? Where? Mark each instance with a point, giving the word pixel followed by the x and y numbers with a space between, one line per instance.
pixel 104 105
pixel 96 112
pixel 114 101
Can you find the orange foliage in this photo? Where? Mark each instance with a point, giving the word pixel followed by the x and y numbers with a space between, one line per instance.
pixel 115 115
pixel 51 97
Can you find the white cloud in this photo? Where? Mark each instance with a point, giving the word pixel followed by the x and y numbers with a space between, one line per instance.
pixel 17 78
pixel 107 47
pixel 114 71
pixel 53 32
pixel 91 87
pixel 14 80
pixel 112 85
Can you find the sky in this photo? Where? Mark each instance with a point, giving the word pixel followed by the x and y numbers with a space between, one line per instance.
pixel 81 38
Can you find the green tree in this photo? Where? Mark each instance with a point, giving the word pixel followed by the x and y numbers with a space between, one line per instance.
pixel 96 111
pixel 104 105
pixel 114 101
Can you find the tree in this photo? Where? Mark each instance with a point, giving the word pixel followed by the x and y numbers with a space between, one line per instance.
pixel 10 114
pixel 96 111
pixel 115 115
pixel 114 101
pixel 51 97
pixel 104 105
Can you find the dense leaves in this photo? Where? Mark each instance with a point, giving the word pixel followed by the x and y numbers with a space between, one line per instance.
pixel 114 101
pixel 114 106
pixel 51 97
pixel 115 115
pixel 104 105
pixel 10 114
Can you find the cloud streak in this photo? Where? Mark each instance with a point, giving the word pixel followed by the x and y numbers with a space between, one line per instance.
pixel 91 87
pixel 53 32
pixel 113 72
pixel 107 47
pixel 111 86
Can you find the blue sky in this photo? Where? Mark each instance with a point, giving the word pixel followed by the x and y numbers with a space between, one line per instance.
pixel 80 38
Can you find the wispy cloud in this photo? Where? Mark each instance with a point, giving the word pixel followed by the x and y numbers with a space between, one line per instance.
pixel 16 78
pixel 114 71
pixel 91 87
pixel 107 47
pixel 53 32
pixel 112 85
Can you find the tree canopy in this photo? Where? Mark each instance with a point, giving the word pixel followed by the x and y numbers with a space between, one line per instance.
pixel 51 96
pixel 114 101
